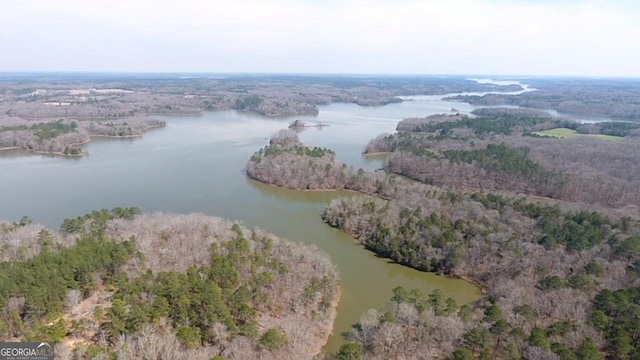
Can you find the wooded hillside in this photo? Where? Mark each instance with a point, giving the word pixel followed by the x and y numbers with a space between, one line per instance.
pixel 506 153
pixel 555 273
pixel 121 284
pixel 616 98
pixel 65 137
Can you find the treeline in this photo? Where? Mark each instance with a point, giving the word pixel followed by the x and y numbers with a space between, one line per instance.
pixel 507 121
pixel 178 286
pixel 481 126
pixel 64 137
pixel 96 221
pixel 500 111
pixel 109 98
pixel 612 128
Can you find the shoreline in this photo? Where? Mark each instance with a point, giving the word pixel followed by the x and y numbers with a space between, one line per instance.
pixel 379 196
pixel 466 278
pixel 11 148
pixel 377 153
pixel 54 153
pixel 116 136
pixel 333 315
pixel 307 190
pixel 84 142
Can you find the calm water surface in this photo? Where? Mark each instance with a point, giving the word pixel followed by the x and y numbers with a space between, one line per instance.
pixel 196 164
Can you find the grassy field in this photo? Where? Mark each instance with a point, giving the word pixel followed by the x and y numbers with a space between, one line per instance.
pixel 564 133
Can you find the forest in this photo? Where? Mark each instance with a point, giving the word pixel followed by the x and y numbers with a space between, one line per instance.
pixel 104 97
pixel 37 112
pixel 121 106
pixel 502 151
pixel 557 273
pixel 538 211
pixel 64 137
pixel 615 98
pixel 120 284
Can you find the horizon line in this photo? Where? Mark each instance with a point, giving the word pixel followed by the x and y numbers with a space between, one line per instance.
pixel 312 74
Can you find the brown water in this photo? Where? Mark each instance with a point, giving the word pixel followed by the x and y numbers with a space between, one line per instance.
pixel 196 164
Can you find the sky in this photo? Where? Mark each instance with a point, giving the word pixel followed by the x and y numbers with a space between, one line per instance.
pixel 498 37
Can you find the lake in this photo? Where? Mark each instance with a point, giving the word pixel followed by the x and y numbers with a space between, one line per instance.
pixel 196 164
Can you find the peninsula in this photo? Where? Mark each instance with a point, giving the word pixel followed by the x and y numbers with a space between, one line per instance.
pixel 118 283
pixel 556 252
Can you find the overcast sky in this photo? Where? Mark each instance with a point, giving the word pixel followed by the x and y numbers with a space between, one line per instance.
pixel 511 37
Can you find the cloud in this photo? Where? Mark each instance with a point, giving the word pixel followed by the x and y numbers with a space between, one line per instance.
pixel 434 37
